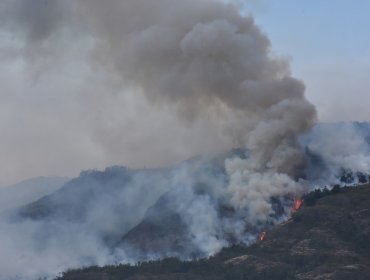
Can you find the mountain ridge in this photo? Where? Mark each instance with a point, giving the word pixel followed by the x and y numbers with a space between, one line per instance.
pixel 26 191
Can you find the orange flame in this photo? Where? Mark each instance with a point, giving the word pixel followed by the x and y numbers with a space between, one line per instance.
pixel 262 236
pixel 297 204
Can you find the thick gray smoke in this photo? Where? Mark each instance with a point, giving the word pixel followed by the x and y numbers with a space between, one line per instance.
pixel 203 58
pixel 209 61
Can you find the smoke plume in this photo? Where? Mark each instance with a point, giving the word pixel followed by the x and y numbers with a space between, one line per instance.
pixel 207 61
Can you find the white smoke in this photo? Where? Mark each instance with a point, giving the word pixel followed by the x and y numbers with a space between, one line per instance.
pixel 338 147
pixel 78 224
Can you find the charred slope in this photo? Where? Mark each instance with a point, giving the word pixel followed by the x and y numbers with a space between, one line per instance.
pixel 327 239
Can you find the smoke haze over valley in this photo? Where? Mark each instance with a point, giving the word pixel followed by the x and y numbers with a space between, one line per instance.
pixel 150 85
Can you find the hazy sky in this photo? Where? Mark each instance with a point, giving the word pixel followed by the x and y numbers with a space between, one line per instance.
pixel 57 122
pixel 329 45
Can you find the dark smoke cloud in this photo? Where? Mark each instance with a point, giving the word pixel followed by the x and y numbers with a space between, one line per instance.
pixel 209 63
pixel 39 19
pixel 202 57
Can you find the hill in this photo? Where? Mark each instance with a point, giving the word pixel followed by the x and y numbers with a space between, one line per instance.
pixel 28 191
pixel 326 239
pixel 186 211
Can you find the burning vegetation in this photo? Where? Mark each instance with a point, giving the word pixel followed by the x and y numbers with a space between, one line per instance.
pixel 262 236
pixel 296 205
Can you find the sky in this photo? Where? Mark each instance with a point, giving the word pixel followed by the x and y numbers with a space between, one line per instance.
pixel 328 42
pixel 55 122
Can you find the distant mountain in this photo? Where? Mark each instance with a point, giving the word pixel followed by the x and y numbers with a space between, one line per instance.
pixel 105 203
pixel 328 238
pixel 135 209
pixel 28 191
pixel 138 210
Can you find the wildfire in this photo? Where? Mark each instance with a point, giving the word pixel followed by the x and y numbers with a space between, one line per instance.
pixel 297 204
pixel 262 236
pixel 295 207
